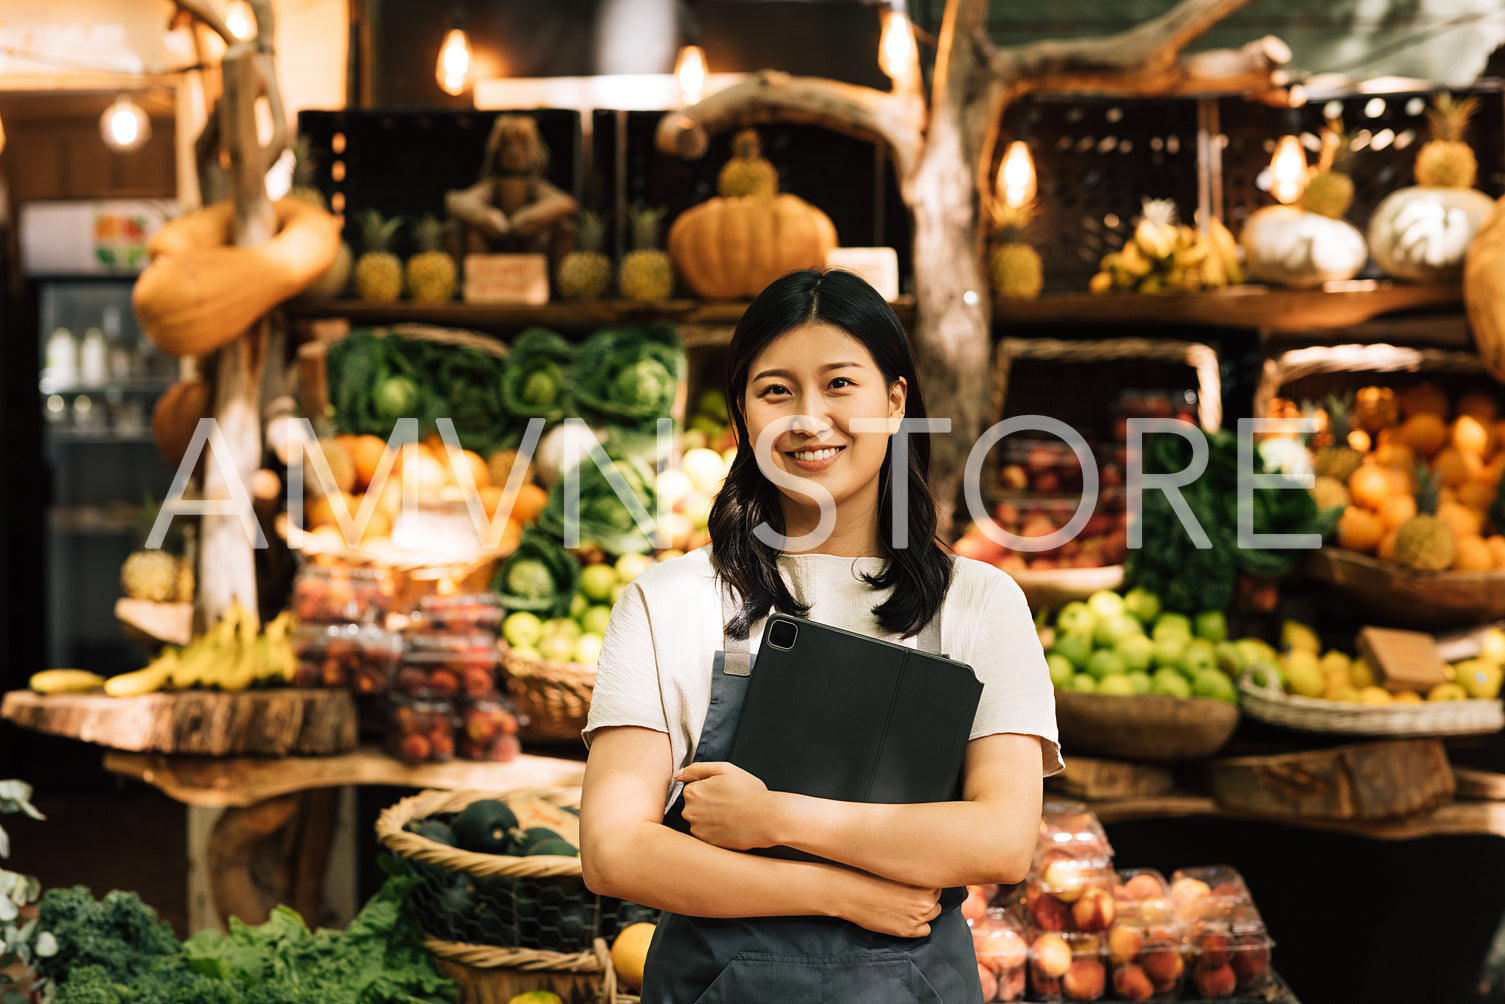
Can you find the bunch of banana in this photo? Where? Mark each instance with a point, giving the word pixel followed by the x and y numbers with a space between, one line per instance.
pixel 1164 256
pixel 64 681
pixel 229 656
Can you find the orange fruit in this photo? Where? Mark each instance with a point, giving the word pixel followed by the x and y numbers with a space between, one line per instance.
pixel 422 475
pixel 1477 493
pixel 367 452
pixel 1470 436
pixel 629 953
pixel 1423 399
pixel 434 444
pixel 1493 470
pixel 530 502
pixel 1461 518
pixel 1453 467
pixel 499 465
pixel 1358 439
pixel 1424 432
pixel 390 499
pixel 1359 529
pixel 491 497
pixel 1393 454
pixel 1396 509
pixel 1385 550
pixel 1497 549
pixel 1480 406
pixel 1471 554
pixel 1497 433
pixel 1369 485
pixel 380 525
pixel 478 469
pixel 1401 482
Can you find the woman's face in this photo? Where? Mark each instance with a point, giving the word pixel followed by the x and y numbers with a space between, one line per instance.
pixel 820 372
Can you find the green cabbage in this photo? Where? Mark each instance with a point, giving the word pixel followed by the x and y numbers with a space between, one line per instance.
pixel 604 517
pixel 538 377
pixel 539 577
pixel 629 376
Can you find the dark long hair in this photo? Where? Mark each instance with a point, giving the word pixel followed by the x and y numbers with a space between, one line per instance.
pixel 920 572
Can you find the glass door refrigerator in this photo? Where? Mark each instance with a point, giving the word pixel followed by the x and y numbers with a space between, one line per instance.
pixel 98 379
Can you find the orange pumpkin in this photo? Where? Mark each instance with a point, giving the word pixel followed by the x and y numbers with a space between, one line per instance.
pixel 730 248
pixel 1484 290
pixel 176 415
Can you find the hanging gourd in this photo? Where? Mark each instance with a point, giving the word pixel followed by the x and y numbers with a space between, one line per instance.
pixel 731 246
pixel 1423 232
pixel 1305 245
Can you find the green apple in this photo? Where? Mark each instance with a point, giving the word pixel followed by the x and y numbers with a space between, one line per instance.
pixel 1116 683
pixel 559 647
pixel 527 651
pixel 1143 604
pixel 1061 669
pixel 1169 625
pixel 595 619
pixel 578 605
pixel 1267 674
pixel 1200 655
pixel 1074 648
pixel 1114 629
pixel 1106 603
pixel 588 648
pixel 1076 617
pixel 1084 683
pixel 1214 683
pixel 522 629
pixel 1212 625
pixel 1104 662
pixel 1137 652
pixel 1230 658
pixel 630 566
pixel 1256 650
pixel 1141 682
pixel 596 581
pixel 565 627
pixel 1171 683
pixel 1169 651
pixel 617 591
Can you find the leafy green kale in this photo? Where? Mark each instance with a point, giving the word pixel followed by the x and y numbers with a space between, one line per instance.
pixel 538 377
pixel 629 376
pixel 470 384
pixel 540 576
pixel 120 934
pixel 1191 579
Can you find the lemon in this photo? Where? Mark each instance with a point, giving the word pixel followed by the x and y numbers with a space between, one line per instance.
pixel 629 952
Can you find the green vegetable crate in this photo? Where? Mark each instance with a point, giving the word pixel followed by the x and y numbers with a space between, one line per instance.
pixel 503 924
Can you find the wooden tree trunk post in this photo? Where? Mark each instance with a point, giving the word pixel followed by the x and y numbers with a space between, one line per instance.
pixel 941 161
pixel 227 566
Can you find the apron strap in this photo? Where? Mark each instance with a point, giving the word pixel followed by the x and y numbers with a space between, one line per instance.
pixel 736 660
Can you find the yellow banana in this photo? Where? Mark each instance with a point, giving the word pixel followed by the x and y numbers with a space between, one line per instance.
pixel 153 677
pixel 1226 247
pixel 198 661
pixel 240 669
pixel 1133 261
pixel 280 660
pixel 64 681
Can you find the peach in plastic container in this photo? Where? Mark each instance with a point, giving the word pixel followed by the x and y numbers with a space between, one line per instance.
pixel 1230 947
pixel 1147 948
pixel 1002 951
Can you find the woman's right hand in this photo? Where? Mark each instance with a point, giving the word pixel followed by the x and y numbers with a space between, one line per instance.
pixel 884 906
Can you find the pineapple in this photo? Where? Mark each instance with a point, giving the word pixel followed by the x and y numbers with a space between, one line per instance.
pixel 1328 191
pixel 430 272
pixel 151 575
pixel 1446 161
pixel 747 173
pixel 303 175
pixel 586 274
pixel 1015 266
pixel 378 272
pixel 1425 541
pixel 646 273
pixel 1335 458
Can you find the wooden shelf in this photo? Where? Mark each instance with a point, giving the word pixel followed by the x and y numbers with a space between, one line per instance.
pixel 566 317
pixel 238 782
pixel 1454 819
pixel 1250 306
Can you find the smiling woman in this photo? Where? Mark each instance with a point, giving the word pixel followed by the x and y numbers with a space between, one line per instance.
pixel 819 376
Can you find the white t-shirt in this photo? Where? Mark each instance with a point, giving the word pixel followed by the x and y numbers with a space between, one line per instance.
pixel 655 664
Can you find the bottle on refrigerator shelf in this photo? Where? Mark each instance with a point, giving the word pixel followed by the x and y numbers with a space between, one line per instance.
pixel 62 358
pixel 93 358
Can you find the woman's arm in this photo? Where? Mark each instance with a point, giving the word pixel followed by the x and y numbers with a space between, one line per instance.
pixel 989 836
pixel 626 851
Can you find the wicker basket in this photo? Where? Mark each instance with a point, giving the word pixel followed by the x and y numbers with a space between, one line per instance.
pixel 1413 599
pixel 1309 714
pixel 1335 361
pixel 1051 588
pixel 1153 727
pixel 549 886
pixel 553 698
pixel 608 992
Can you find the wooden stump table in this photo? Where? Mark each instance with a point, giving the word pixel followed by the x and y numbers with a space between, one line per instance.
pixel 261 830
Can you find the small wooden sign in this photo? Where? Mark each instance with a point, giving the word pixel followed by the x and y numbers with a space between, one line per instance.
pixel 879 266
pixel 507 278
pixel 1402 660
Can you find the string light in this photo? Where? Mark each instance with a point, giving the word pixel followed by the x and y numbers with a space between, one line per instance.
pixel 1287 169
pixel 897 53
pixel 453 68
pixel 240 20
pixel 1016 175
pixel 124 126
pixel 689 70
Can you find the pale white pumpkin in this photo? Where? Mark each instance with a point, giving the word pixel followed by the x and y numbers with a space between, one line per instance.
pixel 1300 250
pixel 1424 233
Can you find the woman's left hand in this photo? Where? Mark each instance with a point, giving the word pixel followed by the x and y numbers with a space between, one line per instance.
pixel 727 806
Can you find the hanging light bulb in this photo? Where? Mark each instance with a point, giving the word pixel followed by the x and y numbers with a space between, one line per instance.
pixel 1287 169
pixel 125 126
pixel 2 137
pixel 1016 175
pixel 689 70
pixel 897 54
pixel 453 68
pixel 240 20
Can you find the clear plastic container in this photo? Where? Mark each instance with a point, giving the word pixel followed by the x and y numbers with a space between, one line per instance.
pixel 459 667
pixel 333 593
pixel 1070 884
pixel 1229 944
pixel 1067 966
pixel 361 657
pixel 1002 952
pixel 488 731
pixel 420 730
pixel 472 613
pixel 1147 947
pixel 1209 892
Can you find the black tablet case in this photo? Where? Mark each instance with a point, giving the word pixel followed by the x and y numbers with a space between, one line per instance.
pixel 843 716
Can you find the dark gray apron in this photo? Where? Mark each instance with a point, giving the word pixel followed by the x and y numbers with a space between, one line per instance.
pixel 799 960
